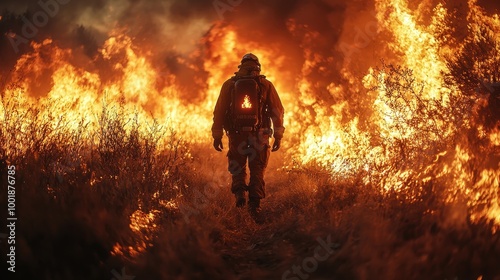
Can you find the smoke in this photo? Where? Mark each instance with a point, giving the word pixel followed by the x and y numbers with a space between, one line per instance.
pixel 171 31
pixel 178 25
pixel 170 24
pixel 335 34
pixel 167 30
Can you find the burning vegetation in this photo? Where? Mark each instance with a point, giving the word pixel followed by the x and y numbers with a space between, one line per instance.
pixel 391 149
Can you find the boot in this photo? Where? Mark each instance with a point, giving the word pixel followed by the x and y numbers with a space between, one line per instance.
pixel 255 210
pixel 240 199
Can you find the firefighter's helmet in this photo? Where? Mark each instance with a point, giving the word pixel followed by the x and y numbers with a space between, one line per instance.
pixel 250 57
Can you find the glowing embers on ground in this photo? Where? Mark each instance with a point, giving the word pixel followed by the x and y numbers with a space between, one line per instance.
pixel 144 227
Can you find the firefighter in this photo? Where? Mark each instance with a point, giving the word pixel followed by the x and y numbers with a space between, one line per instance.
pixel 248 131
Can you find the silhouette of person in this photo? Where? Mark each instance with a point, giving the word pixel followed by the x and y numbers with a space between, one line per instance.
pixel 248 144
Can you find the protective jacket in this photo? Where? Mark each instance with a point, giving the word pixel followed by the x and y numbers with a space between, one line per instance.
pixel 272 106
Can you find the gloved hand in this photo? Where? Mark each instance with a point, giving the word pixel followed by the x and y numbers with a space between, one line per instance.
pixel 276 145
pixel 218 144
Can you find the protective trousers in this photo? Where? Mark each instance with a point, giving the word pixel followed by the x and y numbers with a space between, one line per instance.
pixel 251 147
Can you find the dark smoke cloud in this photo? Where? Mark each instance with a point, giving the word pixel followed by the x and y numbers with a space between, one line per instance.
pixel 175 25
pixel 148 20
pixel 172 29
pixel 169 29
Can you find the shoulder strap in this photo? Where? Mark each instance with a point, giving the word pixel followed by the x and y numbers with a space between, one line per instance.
pixel 261 86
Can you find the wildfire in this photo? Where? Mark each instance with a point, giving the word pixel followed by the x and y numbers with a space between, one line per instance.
pixel 246 103
pixel 354 124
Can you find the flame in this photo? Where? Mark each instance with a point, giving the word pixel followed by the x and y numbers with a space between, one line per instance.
pixel 246 103
pixel 351 125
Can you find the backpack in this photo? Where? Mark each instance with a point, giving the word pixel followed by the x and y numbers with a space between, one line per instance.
pixel 246 109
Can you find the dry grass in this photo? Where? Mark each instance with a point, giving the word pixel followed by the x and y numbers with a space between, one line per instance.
pixel 77 190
